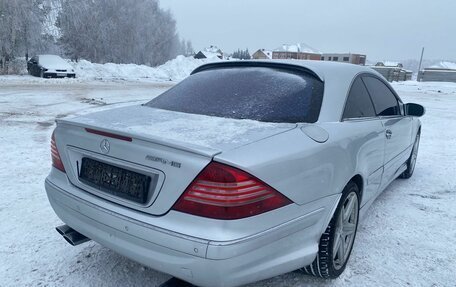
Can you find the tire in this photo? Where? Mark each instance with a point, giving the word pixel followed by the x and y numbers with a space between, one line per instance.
pixel 328 263
pixel 411 162
pixel 41 74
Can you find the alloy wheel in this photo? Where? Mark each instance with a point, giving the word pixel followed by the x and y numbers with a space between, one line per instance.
pixel 344 236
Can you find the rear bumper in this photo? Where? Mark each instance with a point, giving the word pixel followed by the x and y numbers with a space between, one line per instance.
pixel 199 261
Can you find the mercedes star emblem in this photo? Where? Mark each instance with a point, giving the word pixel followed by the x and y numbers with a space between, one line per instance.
pixel 105 146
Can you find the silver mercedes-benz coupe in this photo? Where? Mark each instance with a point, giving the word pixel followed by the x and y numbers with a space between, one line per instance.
pixel 241 172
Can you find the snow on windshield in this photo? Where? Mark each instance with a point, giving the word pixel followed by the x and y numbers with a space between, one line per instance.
pixel 52 60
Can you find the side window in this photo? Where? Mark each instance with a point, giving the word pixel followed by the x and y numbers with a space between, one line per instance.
pixel 385 102
pixel 359 104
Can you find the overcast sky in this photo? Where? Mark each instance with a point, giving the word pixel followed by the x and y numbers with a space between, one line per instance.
pixel 382 29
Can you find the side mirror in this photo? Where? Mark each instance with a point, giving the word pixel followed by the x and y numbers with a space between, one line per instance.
pixel 414 110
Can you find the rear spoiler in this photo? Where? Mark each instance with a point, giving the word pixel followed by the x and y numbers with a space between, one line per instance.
pixel 261 63
pixel 195 149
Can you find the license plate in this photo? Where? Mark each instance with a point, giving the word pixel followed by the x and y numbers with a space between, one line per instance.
pixel 115 180
pixel 61 74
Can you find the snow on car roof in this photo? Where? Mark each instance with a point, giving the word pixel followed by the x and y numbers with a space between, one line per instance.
pixel 51 60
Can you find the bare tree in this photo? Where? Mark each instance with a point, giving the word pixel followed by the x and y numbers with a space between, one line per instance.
pixel 118 31
pixel 21 30
pixel 189 51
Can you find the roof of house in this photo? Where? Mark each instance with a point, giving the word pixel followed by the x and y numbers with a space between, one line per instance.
pixel 300 47
pixel 390 64
pixel 267 53
pixel 212 49
pixel 211 52
pixel 445 65
pixel 210 55
pixel 342 54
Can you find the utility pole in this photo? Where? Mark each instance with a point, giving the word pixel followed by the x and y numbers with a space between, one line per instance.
pixel 419 68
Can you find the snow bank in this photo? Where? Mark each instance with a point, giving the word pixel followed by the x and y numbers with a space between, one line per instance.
pixel 174 70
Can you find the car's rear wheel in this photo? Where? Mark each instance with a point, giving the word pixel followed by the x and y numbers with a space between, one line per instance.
pixel 411 162
pixel 336 243
pixel 41 74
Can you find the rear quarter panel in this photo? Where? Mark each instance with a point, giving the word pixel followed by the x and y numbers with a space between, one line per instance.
pixel 304 170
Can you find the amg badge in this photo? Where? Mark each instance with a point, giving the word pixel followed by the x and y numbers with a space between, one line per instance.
pixel 164 161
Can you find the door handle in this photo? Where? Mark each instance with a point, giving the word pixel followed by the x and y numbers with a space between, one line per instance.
pixel 389 134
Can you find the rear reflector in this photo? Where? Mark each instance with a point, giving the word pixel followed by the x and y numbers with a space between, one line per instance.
pixel 224 192
pixel 109 135
pixel 56 160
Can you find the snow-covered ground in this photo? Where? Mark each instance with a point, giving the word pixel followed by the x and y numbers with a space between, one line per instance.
pixel 407 239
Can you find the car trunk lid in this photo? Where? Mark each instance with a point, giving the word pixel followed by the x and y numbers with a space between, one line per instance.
pixel 170 148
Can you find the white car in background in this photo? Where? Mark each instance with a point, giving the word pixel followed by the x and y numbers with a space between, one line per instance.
pixel 50 66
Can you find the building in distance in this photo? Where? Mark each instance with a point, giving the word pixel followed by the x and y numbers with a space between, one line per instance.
pixel 210 52
pixel 357 59
pixel 393 71
pixel 443 72
pixel 262 54
pixel 300 51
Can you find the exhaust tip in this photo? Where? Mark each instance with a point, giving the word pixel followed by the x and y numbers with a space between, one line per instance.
pixel 63 229
pixel 68 240
pixel 71 236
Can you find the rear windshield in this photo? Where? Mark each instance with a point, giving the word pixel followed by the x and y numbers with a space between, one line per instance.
pixel 255 93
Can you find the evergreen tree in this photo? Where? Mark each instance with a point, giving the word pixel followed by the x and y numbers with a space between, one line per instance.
pixel 247 55
pixel 241 54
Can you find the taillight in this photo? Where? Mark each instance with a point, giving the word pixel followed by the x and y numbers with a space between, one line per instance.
pixel 224 192
pixel 56 160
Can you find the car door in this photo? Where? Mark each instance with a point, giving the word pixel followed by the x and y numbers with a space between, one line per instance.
pixel 366 137
pixel 398 127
